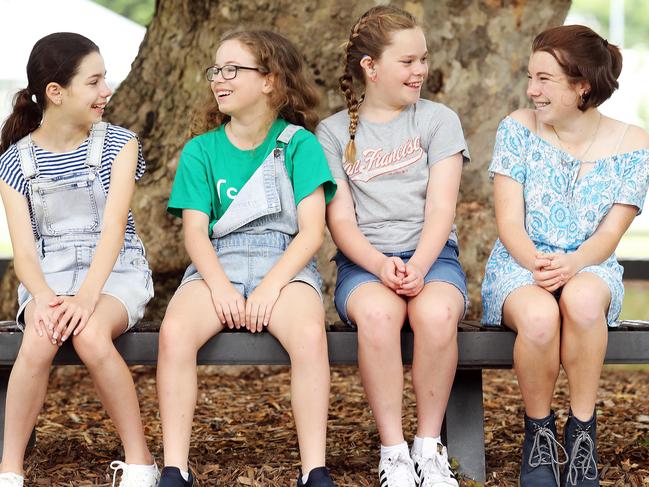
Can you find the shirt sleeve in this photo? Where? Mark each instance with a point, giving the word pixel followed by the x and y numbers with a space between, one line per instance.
pixel 191 188
pixel 11 172
pixel 447 137
pixel 116 139
pixel 635 179
pixel 310 167
pixel 509 156
pixel 333 151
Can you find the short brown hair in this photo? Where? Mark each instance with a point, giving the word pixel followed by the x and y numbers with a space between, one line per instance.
pixel 583 56
pixel 295 95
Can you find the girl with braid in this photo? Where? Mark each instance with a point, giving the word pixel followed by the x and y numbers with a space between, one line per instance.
pixel 397 160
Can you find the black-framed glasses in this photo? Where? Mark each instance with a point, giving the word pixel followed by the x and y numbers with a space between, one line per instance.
pixel 229 71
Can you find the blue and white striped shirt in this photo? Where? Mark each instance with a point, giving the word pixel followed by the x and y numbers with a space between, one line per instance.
pixel 51 164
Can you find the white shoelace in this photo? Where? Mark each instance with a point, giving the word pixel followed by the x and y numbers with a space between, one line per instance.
pixel 436 470
pixel 132 477
pixel 398 471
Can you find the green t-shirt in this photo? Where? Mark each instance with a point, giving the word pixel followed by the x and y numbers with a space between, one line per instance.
pixel 211 170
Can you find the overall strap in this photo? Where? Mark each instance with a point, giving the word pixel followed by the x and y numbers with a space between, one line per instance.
pixel 288 133
pixel 96 144
pixel 27 158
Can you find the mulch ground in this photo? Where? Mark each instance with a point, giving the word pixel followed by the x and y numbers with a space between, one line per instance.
pixel 244 436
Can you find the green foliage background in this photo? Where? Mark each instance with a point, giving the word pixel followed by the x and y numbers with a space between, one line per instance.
pixel 636 19
pixel 140 11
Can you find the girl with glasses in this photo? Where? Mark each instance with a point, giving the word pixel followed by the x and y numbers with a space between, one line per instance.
pixel 66 180
pixel 397 160
pixel 251 188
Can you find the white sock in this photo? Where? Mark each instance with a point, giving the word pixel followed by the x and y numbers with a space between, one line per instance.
pixel 142 468
pixel 305 478
pixel 387 451
pixel 184 474
pixel 425 447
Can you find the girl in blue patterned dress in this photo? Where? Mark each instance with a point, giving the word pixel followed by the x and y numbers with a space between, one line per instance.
pixel 568 181
pixel 66 180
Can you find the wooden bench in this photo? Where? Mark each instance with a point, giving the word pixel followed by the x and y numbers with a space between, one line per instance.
pixel 479 348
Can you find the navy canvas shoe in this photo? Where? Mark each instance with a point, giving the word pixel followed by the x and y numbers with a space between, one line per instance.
pixel 540 464
pixel 580 440
pixel 318 477
pixel 171 477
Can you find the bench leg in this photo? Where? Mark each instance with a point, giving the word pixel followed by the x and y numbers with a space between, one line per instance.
pixel 5 371
pixel 465 424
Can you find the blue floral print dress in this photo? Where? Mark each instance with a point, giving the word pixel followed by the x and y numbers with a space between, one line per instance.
pixel 561 211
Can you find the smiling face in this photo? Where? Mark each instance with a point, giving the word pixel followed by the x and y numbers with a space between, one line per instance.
pixel 402 68
pixel 552 93
pixel 85 97
pixel 248 91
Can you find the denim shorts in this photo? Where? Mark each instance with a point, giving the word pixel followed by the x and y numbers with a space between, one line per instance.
pixel 351 276
pixel 65 261
pixel 247 258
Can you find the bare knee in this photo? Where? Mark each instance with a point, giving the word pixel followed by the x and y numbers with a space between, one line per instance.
pixel 538 326
pixel 379 328
pixel 37 352
pixel 173 342
pixel 310 345
pixel 582 308
pixel 436 325
pixel 93 347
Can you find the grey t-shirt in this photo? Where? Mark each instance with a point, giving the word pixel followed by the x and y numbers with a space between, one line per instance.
pixel 389 179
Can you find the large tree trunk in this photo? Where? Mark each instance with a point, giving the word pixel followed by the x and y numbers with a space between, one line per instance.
pixel 478 60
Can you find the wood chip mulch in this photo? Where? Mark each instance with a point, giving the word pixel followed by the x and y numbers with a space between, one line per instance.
pixel 244 434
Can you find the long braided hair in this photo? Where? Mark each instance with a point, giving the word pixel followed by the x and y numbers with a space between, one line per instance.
pixel 369 36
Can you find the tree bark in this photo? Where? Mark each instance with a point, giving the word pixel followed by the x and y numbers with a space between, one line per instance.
pixel 478 58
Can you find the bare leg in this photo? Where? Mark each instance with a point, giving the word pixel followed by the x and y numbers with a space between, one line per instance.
pixel 434 314
pixel 584 303
pixel 26 393
pixel 298 323
pixel 533 313
pixel 111 376
pixel 189 322
pixel 379 314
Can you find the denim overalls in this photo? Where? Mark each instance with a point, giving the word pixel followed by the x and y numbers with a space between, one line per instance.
pixel 68 211
pixel 258 226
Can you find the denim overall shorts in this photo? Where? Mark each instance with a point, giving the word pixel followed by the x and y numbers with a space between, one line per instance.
pixel 258 226
pixel 68 210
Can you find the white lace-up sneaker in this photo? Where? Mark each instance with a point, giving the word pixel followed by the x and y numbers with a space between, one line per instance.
pixel 10 479
pixel 397 471
pixel 432 467
pixel 135 475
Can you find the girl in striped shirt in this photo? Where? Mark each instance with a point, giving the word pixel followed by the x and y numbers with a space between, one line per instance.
pixel 66 180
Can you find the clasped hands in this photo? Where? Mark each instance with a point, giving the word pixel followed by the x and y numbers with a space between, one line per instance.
pixel 553 270
pixel 405 279
pixel 58 317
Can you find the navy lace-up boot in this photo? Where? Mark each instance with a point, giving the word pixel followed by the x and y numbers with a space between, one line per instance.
pixel 580 441
pixel 540 465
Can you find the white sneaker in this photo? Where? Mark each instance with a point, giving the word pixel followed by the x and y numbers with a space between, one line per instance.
pixel 397 471
pixel 432 468
pixel 135 475
pixel 10 479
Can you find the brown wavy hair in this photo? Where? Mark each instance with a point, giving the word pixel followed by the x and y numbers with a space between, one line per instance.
pixel 295 96
pixel 583 56
pixel 369 36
